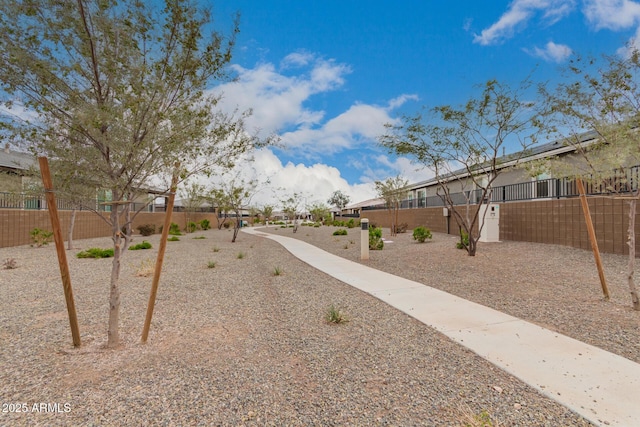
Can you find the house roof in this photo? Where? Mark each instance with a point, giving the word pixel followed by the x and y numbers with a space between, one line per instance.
pixel 365 203
pixel 548 149
pixel 10 159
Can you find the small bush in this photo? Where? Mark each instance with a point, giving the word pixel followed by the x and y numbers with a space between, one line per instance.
pixel 174 229
pixel 143 245
pixel 240 255
pixel 199 238
pixel 317 224
pixel 340 232
pixel 147 229
pixel 464 240
pixel 173 239
pixel 95 253
pixel 40 237
pixel 335 315
pixel 421 234
pixel 216 249
pixel 402 227
pixel 278 271
pixel 375 239
pixel 211 264
pixel 191 227
pixel 9 264
pixel 205 224
pixel 226 225
pixel 351 223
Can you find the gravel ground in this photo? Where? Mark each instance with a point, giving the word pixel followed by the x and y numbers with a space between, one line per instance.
pixel 237 345
pixel 554 286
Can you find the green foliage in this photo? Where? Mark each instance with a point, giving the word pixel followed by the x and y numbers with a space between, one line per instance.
pixel 146 229
pixel 464 240
pixel 191 227
pixel 96 253
pixel 142 245
pixel 421 234
pixel 216 249
pixel 340 232
pixel 375 239
pixel 335 315
pixel 240 255
pixel 40 237
pixel 338 199
pixel 9 264
pixel 211 264
pixel 199 238
pixel 174 229
pixel 205 224
pixel 351 223
pixel 317 225
pixel 173 239
pixel 278 271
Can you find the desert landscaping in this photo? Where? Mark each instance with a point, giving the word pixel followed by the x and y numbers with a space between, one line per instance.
pixel 240 334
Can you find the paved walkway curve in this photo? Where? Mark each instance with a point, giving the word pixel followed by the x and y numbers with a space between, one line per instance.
pixel 602 387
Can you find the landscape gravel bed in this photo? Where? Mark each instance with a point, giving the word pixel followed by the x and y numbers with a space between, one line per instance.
pixel 234 344
pixel 554 286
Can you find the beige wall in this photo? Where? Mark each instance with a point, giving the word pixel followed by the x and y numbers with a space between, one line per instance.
pixel 15 224
pixel 558 221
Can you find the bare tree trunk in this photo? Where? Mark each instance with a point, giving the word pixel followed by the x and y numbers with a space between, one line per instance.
pixel 236 228
pixel 113 340
pixel 632 253
pixel 72 223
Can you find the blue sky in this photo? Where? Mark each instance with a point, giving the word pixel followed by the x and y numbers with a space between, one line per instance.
pixel 326 75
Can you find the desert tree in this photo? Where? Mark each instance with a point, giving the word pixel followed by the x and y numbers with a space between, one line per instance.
pixel 193 196
pixel 235 195
pixel 319 211
pixel 339 200
pixel 126 86
pixel 266 212
pixel 463 146
pixel 600 98
pixel 393 191
pixel 291 207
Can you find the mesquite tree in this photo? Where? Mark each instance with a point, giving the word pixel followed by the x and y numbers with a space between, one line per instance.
pixel 393 191
pixel 463 146
pixel 603 99
pixel 124 85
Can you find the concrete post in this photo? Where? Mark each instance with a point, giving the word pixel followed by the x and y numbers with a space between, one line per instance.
pixel 364 239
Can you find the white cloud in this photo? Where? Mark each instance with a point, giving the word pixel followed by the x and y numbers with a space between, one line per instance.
pixel 612 14
pixel 552 52
pixel 314 182
pixel 519 13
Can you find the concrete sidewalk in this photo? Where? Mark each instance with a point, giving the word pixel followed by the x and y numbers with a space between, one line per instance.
pixel 602 387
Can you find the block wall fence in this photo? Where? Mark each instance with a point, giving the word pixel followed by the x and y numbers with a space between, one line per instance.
pixel 558 221
pixel 15 224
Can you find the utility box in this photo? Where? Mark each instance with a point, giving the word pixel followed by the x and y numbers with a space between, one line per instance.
pixel 445 212
pixel 491 224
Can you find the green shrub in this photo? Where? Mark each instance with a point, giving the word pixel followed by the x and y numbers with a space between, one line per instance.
pixel 211 264
pixel 40 237
pixel 146 229
pixel 143 245
pixel 317 224
pixel 173 239
pixel 226 225
pixel 95 253
pixel 335 315
pixel 351 223
pixel 375 239
pixel 464 240
pixel 205 224
pixel 191 227
pixel 199 238
pixel 340 232
pixel 421 234
pixel 174 229
pixel 278 271
pixel 240 255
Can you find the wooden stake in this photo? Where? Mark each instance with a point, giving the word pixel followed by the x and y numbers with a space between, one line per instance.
pixel 592 238
pixel 62 255
pixel 161 250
